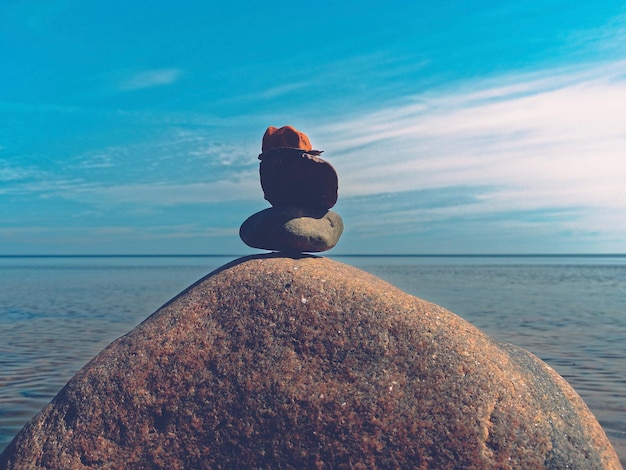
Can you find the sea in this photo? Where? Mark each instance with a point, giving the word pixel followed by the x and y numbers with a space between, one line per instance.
pixel 57 312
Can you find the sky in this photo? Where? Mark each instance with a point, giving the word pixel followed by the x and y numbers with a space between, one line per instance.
pixel 455 126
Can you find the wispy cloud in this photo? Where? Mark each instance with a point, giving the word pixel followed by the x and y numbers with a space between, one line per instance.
pixel 243 187
pixel 556 140
pixel 150 78
pixel 193 238
pixel 96 161
pixel 536 153
pixel 282 90
pixel 8 173
pixel 166 194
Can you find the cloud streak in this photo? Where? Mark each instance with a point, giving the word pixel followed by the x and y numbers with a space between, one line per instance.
pixel 537 154
pixel 171 194
pixel 151 78
pixel 559 139
pixel 532 154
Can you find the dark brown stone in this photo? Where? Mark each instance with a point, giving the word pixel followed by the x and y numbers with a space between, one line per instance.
pixel 275 362
pixel 294 177
pixel 292 229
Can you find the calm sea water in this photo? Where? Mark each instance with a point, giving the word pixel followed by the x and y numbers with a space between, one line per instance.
pixel 57 313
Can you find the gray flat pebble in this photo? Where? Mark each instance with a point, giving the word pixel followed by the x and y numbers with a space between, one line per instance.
pixel 292 229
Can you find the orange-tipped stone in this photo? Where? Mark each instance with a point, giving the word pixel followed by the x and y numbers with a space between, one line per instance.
pixel 286 136
pixel 292 174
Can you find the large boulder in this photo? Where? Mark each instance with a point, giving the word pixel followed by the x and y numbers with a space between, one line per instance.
pixel 278 362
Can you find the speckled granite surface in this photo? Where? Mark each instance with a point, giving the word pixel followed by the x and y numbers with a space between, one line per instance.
pixel 278 362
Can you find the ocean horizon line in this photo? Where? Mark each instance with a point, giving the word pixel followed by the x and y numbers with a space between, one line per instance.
pixel 342 255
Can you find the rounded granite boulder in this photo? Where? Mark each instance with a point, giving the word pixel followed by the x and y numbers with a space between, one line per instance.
pixel 278 362
pixel 292 229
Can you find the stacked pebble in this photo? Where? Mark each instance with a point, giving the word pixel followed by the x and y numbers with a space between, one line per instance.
pixel 301 187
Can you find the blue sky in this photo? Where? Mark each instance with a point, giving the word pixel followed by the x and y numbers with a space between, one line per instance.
pixel 455 127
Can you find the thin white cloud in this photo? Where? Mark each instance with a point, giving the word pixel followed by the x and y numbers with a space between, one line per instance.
pixel 553 141
pixel 608 38
pixel 16 170
pixel 271 93
pixel 150 78
pixel 8 173
pixel 97 161
pixel 539 155
pixel 282 90
pixel 242 188
pixel 82 235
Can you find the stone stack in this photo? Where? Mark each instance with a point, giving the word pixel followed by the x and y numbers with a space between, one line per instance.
pixel 301 187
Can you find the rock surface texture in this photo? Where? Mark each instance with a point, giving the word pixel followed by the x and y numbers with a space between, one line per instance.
pixel 279 362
